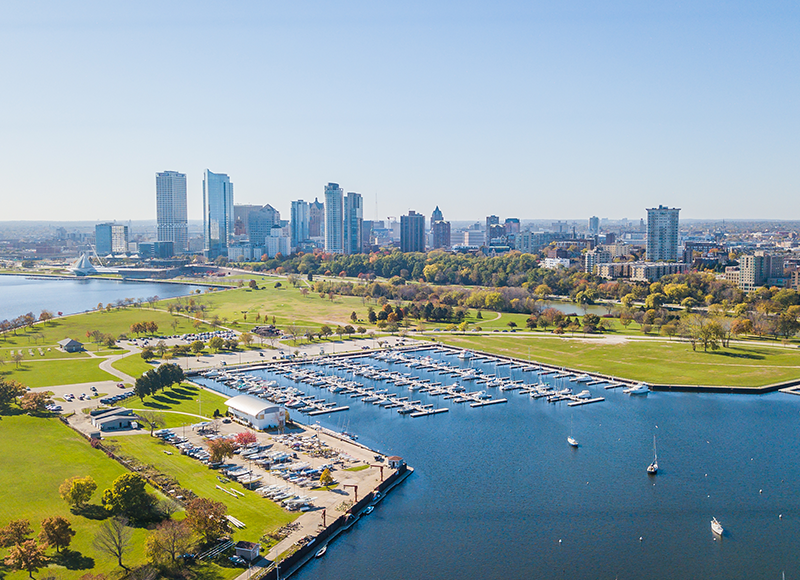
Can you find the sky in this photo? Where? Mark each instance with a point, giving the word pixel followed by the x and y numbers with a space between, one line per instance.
pixel 530 109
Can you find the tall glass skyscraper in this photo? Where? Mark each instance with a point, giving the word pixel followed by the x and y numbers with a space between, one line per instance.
pixel 300 222
pixel 334 219
pixel 217 214
pixel 171 209
pixel 353 218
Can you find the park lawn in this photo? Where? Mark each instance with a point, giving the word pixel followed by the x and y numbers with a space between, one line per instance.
pixel 184 402
pixel 258 514
pixel 53 353
pixel 652 361
pixel 45 373
pixel 29 482
pixel 133 365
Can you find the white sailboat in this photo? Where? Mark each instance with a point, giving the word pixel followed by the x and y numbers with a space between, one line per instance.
pixel 570 439
pixel 716 527
pixel 652 469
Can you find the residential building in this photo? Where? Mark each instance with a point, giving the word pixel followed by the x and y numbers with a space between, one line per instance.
pixel 640 271
pixel 491 220
pixel 441 234
pixel 277 242
pixel 353 218
pixel 662 234
pixel 553 263
pixel 171 217
pixel 217 214
pixel 412 232
pixel 334 219
pixel 110 239
pixel 595 256
pixel 300 222
pixel 757 270
pixel 316 219
pixel 594 225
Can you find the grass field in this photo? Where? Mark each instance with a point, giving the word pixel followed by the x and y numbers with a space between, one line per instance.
pixel 653 361
pixel 183 403
pixel 29 483
pixel 259 515
pixel 133 365
pixel 44 373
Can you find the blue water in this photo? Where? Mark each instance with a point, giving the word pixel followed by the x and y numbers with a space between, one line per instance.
pixel 496 488
pixel 20 295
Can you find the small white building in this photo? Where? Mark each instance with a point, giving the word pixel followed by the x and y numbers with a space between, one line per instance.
pixel 256 412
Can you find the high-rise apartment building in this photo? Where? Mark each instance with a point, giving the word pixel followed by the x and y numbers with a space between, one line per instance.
pixel 316 219
pixel 441 234
pixel 110 239
pixel 412 232
pixel 261 222
pixel 512 226
pixel 662 234
pixel 300 222
pixel 334 219
pixel 594 225
pixel 353 218
pixel 217 214
pixel 171 217
pixel 491 220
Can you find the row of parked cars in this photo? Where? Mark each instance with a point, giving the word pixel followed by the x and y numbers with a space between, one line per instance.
pixel 110 400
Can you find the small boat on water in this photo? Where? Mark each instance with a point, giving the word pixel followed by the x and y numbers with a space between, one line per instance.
pixel 652 469
pixel 465 355
pixel 572 441
pixel 368 510
pixel 716 527
pixel 321 552
pixel 640 389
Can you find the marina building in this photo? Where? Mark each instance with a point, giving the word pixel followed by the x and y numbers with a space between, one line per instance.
pixel 256 412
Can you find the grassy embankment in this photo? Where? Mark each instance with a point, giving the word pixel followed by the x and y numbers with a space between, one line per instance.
pixel 653 361
pixel 181 405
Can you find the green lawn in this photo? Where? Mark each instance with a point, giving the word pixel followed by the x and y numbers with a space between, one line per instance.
pixel 133 365
pixel 182 402
pixel 29 483
pixel 44 373
pixel 258 514
pixel 653 361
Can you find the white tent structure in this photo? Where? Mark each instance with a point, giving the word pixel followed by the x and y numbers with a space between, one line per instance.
pixel 84 267
pixel 256 412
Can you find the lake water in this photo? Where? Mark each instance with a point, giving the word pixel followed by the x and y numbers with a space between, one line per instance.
pixel 498 493
pixel 20 294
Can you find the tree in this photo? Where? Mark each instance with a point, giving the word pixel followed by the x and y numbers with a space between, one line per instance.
pixel 15 533
pixel 56 532
pixel 197 346
pixel 326 478
pixel 168 542
pixel 325 330
pixel 246 338
pixel 114 539
pixel 152 419
pixel 36 402
pixel 17 357
pixel 253 285
pixel 353 316
pixel 161 347
pixel 28 556
pixel 10 391
pixel 128 496
pixel 76 491
pixel 246 438
pixel 207 518
pixel 219 449
pixel 147 353
pixel 216 343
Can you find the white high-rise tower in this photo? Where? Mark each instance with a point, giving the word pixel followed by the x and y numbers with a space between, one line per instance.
pixel 171 209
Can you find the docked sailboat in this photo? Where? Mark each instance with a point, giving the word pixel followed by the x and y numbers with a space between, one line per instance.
pixel 716 527
pixel 465 355
pixel 652 469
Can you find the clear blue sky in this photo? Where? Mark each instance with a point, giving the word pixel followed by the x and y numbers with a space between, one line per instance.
pixel 526 109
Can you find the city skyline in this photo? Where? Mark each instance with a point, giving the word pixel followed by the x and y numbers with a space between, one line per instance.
pixel 516 109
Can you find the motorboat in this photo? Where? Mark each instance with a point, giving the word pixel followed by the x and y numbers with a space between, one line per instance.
pixel 584 394
pixel 572 441
pixel 321 552
pixel 652 469
pixel 640 389
pixel 368 510
pixel 465 355
pixel 716 527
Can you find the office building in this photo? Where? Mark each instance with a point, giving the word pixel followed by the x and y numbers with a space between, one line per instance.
pixel 353 218
pixel 492 220
pixel 110 239
pixel 300 222
pixel 334 219
pixel 441 234
pixel 158 250
pixel 758 269
pixel 316 219
pixel 412 232
pixel 171 217
pixel 277 242
pixel 512 226
pixel 436 216
pixel 662 234
pixel 217 214
pixel 261 222
pixel 241 217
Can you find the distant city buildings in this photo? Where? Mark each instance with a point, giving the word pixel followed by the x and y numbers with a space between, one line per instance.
pixel 436 216
pixel 110 239
pixel 353 219
pixel 316 219
pixel 217 214
pixel 441 235
pixel 594 225
pixel 300 222
pixel 412 232
pixel 334 219
pixel 755 270
pixel 260 223
pixel 662 234
pixel 171 216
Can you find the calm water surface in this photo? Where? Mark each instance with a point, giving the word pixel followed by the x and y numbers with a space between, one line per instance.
pixel 20 294
pixel 498 493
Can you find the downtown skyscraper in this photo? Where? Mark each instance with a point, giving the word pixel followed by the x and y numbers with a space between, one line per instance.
pixel 173 225
pixel 334 219
pixel 353 218
pixel 217 214
pixel 300 223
